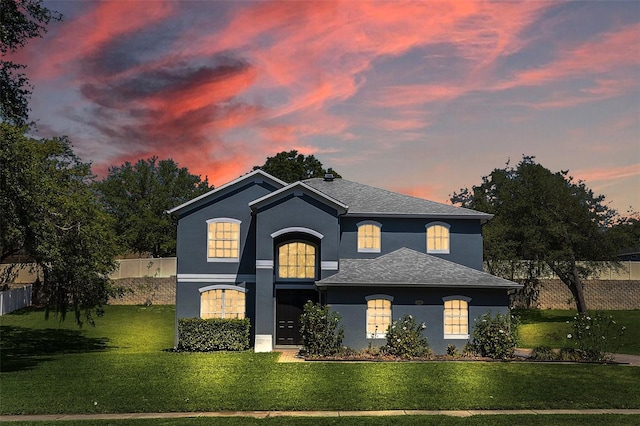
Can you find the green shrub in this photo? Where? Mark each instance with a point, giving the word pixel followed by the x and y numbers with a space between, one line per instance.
pixel 320 329
pixel 213 334
pixel 452 351
pixel 405 339
pixel 569 354
pixel 594 335
pixel 543 353
pixel 495 337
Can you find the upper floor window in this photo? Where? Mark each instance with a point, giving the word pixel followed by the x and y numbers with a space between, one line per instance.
pixel 378 315
pixel 456 318
pixel 297 260
pixel 369 237
pixel 223 241
pixel 222 302
pixel 437 237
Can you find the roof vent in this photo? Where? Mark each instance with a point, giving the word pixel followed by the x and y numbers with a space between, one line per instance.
pixel 328 177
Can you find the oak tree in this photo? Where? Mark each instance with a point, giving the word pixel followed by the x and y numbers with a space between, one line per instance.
pixel 137 196
pixel 545 219
pixel 291 167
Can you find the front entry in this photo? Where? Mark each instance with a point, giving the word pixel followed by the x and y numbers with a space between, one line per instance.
pixel 289 304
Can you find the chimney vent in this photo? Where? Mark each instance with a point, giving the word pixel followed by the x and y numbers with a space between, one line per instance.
pixel 328 177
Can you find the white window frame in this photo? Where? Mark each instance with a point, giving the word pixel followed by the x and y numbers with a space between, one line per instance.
pixel 223 220
pixel 369 250
pixel 433 225
pixel 381 334
pixel 444 317
pixel 223 287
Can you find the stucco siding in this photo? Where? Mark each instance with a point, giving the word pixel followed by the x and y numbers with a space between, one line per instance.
pixel 425 305
pixel 192 233
pixel 465 238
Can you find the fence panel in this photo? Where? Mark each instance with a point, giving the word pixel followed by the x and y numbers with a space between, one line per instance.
pixel 14 299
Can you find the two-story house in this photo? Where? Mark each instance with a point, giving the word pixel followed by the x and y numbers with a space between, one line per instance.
pixel 259 248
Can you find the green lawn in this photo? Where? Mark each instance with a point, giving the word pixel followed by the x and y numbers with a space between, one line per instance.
pixel 550 328
pixel 123 365
pixel 494 420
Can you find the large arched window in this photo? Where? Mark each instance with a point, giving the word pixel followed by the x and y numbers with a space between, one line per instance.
pixel 369 237
pixel 297 260
pixel 438 238
pixel 222 301
pixel 223 240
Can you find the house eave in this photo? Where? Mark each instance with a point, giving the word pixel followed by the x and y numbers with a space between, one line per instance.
pixel 321 285
pixel 225 186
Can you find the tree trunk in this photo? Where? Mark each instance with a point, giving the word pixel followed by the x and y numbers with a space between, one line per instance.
pixel 571 278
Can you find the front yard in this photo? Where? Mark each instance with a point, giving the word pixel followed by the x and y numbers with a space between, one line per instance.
pixel 124 365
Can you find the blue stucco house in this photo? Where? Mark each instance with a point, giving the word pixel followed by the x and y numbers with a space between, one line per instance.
pixel 259 248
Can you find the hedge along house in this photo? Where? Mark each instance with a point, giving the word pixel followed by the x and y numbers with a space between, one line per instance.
pixel 260 248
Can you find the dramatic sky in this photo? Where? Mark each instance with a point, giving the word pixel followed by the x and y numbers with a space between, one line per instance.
pixel 420 97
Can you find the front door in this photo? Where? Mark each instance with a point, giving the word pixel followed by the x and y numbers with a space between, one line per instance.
pixel 289 304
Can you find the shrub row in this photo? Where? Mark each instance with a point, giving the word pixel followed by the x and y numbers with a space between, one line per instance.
pixel 213 334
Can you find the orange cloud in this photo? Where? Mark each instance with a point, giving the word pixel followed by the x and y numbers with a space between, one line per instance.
pixel 608 174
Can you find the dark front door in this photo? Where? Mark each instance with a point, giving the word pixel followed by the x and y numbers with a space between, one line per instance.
pixel 289 304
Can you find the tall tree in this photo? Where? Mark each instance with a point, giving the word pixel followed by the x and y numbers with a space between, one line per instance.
pixel 291 167
pixel 544 218
pixel 20 20
pixel 49 212
pixel 137 196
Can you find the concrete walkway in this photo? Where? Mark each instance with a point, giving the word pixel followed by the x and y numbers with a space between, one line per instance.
pixel 267 414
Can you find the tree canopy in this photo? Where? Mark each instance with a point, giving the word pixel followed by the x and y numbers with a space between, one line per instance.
pixel 137 196
pixel 20 20
pixel 49 212
pixel 291 167
pixel 546 219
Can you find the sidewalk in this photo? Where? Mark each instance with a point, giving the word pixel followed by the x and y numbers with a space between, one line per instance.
pixel 266 414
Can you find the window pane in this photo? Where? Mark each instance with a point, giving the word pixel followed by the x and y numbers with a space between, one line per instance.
pixel 368 237
pixel 456 317
pixel 297 260
pixel 378 316
pixel 437 238
pixel 224 240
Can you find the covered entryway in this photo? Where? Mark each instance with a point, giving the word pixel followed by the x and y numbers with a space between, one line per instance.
pixel 289 304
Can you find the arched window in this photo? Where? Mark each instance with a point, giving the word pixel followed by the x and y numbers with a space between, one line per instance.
pixel 297 260
pixel 369 237
pixel 438 238
pixel 378 315
pixel 223 240
pixel 222 302
pixel 456 317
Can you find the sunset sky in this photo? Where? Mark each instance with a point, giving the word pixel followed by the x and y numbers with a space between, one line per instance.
pixel 422 97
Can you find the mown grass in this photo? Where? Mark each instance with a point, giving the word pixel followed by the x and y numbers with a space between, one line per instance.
pixel 550 328
pixel 494 420
pixel 123 365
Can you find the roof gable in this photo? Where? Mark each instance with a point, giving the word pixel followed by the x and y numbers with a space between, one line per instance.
pixel 256 176
pixel 298 187
pixel 365 200
pixel 408 268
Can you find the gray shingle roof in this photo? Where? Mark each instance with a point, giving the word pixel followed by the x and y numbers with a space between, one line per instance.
pixel 409 268
pixel 369 200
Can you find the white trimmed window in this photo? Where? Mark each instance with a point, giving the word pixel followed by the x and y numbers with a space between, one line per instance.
pixel 297 260
pixel 438 237
pixel 369 237
pixel 378 316
pixel 456 317
pixel 223 240
pixel 222 302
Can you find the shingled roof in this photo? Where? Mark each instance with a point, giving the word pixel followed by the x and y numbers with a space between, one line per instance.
pixel 409 268
pixel 365 200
